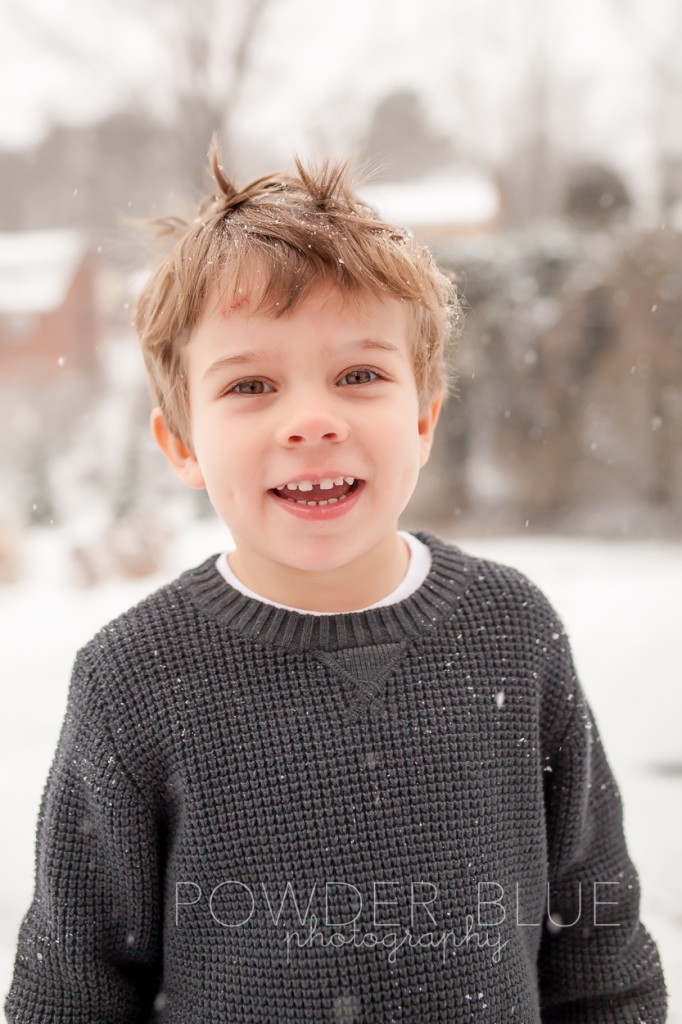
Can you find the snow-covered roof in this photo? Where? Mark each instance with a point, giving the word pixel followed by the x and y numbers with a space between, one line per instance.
pixel 36 268
pixel 458 196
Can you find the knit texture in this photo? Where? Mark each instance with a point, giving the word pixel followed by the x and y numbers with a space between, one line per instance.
pixel 403 814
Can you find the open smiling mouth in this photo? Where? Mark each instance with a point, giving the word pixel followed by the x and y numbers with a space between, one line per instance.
pixel 320 494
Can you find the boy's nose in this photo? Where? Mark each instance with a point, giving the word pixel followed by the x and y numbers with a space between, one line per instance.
pixel 310 426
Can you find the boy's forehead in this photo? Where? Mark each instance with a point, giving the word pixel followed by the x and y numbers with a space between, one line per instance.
pixel 236 326
pixel 251 296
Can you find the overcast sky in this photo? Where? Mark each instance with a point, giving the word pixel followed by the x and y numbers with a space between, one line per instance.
pixel 318 69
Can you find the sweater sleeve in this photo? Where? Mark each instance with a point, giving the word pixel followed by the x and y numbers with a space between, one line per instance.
pixel 89 946
pixel 597 963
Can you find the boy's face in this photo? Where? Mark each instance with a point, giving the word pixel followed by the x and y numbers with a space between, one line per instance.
pixel 325 393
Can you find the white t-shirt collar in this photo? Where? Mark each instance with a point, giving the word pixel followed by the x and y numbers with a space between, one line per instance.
pixel 417 571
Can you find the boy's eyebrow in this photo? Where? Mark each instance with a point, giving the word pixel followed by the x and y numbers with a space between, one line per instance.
pixel 255 355
pixel 387 346
pixel 242 357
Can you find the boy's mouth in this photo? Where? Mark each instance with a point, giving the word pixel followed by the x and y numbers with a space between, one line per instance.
pixel 320 493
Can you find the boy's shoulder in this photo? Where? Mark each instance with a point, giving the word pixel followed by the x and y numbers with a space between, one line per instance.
pixel 159 628
pixel 491 586
pixel 135 673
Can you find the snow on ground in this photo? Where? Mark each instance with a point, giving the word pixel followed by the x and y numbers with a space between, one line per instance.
pixel 620 602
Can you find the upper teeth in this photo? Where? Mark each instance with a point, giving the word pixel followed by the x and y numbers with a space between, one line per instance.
pixel 324 485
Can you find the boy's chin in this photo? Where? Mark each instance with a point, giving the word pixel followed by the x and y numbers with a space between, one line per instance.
pixel 339 558
pixel 316 567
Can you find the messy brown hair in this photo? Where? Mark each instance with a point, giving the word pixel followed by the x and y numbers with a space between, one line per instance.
pixel 275 239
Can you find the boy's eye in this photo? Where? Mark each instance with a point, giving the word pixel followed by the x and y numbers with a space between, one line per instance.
pixel 360 376
pixel 250 387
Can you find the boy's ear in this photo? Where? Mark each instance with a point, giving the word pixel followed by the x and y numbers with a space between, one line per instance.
pixel 181 458
pixel 427 426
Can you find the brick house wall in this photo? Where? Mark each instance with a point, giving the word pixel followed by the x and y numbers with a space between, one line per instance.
pixel 54 331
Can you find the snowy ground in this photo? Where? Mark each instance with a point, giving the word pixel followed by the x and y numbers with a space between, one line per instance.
pixel 620 602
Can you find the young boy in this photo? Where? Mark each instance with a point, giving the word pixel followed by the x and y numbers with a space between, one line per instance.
pixel 342 773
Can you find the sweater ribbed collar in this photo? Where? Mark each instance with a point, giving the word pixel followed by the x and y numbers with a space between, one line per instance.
pixel 432 602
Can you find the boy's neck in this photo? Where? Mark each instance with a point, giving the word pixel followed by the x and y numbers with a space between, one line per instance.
pixel 349 588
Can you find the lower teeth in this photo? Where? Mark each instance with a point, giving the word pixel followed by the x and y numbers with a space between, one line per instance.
pixel 316 504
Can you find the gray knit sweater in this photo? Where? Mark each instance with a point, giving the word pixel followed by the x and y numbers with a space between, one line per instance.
pixel 403 814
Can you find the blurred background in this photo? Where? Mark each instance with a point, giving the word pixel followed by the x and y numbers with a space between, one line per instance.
pixel 534 145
